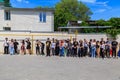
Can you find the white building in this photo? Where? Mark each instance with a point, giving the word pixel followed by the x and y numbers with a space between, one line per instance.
pixel 26 19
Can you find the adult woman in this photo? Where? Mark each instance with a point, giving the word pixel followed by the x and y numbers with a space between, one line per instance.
pixel 57 47
pixel 98 48
pixel 81 49
pixel 61 48
pixel 22 49
pixel 37 47
pixel 102 49
pixel 65 47
pixel 93 46
pixel 11 47
pixel 28 46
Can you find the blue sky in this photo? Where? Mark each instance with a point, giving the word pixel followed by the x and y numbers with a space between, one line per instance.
pixel 102 9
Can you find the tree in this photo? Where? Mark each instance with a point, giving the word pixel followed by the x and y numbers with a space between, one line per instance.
pixel 113 33
pixel 115 22
pixel 115 30
pixel 7 3
pixel 70 10
pixel 101 22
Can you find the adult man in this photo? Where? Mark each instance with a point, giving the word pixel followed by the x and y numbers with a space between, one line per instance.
pixel 85 47
pixel 107 48
pixel 48 43
pixel 16 46
pixel 6 46
pixel 75 44
pixel 114 47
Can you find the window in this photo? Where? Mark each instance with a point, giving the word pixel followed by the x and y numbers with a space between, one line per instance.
pixel 42 17
pixel 7 28
pixel 7 15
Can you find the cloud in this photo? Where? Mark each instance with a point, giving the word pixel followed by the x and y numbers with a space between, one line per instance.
pixel 100 11
pixel 88 1
pixel 26 2
pixel 23 1
pixel 102 3
pixel 19 0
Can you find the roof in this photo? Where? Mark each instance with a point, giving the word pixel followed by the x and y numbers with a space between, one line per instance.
pixel 79 27
pixel 29 9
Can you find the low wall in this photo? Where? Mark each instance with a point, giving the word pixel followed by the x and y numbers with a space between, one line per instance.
pixel 43 36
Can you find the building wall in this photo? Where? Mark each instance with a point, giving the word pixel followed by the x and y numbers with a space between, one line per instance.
pixel 27 20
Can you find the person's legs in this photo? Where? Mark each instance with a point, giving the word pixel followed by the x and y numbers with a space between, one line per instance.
pixel 79 53
pixel 53 51
pixel 75 52
pixel 92 52
pixel 114 52
pixel 48 52
pixel 102 54
pixel 15 50
pixel 42 51
pixel 85 51
pixel 37 51
pixel 5 52
pixel 11 51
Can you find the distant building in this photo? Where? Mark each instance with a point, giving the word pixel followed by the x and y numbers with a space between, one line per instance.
pixel 74 26
pixel 26 19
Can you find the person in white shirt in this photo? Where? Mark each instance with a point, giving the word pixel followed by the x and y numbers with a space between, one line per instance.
pixel 6 46
pixel 53 46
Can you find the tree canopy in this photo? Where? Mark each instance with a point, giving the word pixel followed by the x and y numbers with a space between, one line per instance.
pixel 70 10
pixel 115 22
pixel 7 3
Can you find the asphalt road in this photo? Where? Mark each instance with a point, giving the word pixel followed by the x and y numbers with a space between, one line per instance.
pixel 19 67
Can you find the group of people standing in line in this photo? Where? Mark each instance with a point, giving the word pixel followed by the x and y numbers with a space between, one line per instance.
pixel 82 48
pixel 70 48
pixel 11 47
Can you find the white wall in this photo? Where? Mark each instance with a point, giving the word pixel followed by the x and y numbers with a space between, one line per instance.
pixel 27 20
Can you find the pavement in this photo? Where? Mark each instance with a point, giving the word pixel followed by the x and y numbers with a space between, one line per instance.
pixel 32 67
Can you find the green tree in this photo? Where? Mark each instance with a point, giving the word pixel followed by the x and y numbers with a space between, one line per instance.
pixel 113 33
pixel 101 22
pixel 115 30
pixel 115 22
pixel 7 3
pixel 69 10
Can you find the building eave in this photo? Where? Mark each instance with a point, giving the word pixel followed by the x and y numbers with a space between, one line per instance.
pixel 29 9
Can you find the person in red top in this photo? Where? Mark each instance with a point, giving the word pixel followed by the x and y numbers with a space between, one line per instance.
pixel 61 48
pixel 111 52
pixel 22 47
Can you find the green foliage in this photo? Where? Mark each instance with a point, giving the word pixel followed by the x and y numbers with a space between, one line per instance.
pixel 70 10
pixel 101 22
pixel 115 22
pixel 7 3
pixel 84 24
pixel 39 7
pixel 113 32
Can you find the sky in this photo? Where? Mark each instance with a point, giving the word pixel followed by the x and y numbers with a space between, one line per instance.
pixel 102 9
